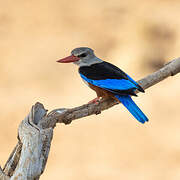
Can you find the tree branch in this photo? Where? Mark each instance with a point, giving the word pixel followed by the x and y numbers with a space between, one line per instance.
pixel 29 157
pixel 170 69
pixel 3 176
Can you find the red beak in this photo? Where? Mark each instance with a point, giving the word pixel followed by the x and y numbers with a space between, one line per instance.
pixel 69 59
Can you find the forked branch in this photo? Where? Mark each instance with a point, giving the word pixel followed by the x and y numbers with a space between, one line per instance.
pixel 29 157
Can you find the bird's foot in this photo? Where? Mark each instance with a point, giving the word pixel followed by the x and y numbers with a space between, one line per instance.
pixel 95 101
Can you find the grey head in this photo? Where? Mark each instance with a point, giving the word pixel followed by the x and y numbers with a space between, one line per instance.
pixel 86 55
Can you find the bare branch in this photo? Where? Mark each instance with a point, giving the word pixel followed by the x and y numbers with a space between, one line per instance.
pixel 35 145
pixel 13 160
pixel 170 69
pixel 29 157
pixel 3 176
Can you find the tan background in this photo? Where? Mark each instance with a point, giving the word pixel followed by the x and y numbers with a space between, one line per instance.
pixel 138 36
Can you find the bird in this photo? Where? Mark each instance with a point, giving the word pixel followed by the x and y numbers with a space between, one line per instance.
pixel 106 79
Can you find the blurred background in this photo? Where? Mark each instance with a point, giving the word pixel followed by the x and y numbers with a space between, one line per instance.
pixel 139 37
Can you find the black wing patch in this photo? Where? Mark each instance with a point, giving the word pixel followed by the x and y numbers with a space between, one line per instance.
pixel 102 71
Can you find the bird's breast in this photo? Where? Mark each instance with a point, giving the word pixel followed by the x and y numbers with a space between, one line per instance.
pixel 85 82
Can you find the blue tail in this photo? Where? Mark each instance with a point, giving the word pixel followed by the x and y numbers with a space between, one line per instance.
pixel 132 108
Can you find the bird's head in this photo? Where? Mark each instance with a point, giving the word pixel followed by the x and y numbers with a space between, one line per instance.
pixel 82 56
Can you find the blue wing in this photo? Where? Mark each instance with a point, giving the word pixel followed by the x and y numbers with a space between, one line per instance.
pixel 110 77
pixel 113 79
pixel 113 84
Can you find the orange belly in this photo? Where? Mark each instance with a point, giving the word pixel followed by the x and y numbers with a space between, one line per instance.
pixel 102 92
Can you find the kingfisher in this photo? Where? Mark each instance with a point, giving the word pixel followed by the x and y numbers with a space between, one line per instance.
pixel 107 80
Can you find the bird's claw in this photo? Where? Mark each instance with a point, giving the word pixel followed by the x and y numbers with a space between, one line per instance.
pixel 95 101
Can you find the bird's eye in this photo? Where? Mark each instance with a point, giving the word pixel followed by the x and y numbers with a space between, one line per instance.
pixel 82 55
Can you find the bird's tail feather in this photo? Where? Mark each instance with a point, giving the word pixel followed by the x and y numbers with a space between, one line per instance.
pixel 132 108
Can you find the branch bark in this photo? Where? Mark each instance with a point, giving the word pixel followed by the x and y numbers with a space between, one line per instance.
pixel 29 157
